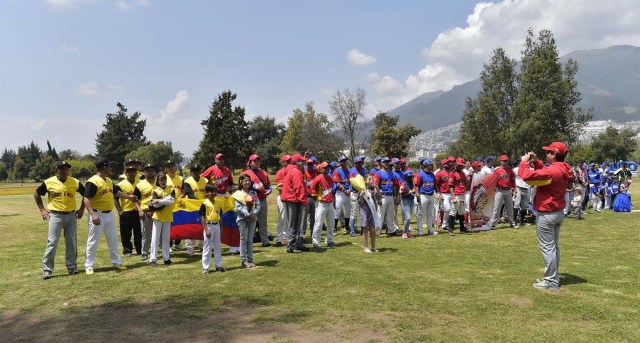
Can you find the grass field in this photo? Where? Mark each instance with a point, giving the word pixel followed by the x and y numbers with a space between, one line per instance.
pixel 468 288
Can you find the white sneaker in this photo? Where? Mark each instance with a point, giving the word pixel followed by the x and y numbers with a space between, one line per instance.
pixel 367 250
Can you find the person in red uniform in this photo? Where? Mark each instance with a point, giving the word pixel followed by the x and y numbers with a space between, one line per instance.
pixel 309 219
pixel 458 186
pixel 262 186
pixel 505 188
pixel 219 176
pixel 549 201
pixel 442 187
pixel 281 227
pixel 322 190
pixel 294 196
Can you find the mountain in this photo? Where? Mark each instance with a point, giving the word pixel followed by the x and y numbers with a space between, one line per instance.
pixel 609 80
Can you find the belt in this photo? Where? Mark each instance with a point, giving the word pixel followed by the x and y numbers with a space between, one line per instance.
pixel 523 188
pixel 213 223
pixel 426 193
pixel 388 194
pixel 103 211
pixel 61 212
pixel 504 188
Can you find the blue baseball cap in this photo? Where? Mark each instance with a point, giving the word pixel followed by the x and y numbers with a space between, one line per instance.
pixel 314 159
pixel 394 160
pixel 333 164
pixel 489 158
pixel 342 158
pixel 408 173
pixel 378 158
pixel 384 159
pixel 358 159
pixel 427 162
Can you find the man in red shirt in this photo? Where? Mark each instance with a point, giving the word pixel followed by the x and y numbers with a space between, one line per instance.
pixel 458 185
pixel 281 228
pixel 219 176
pixel 294 197
pixel 322 190
pixel 262 186
pixel 442 187
pixel 505 188
pixel 549 201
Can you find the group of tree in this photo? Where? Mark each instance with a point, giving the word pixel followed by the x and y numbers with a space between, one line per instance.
pixel 522 109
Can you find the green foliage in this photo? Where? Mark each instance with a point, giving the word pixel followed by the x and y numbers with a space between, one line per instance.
pixel 30 155
pixel 178 158
pixel 614 145
pixel 43 169
pixel 488 125
pixel 580 151
pixel 4 173
pixel 308 131
pixel 155 153
pixel 225 131
pixel 51 151
pixel 20 170
pixel 122 134
pixel 265 136
pixel 69 154
pixel 82 169
pixel 388 138
pixel 9 157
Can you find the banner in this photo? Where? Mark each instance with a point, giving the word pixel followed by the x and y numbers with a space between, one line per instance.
pixel 481 201
pixel 187 223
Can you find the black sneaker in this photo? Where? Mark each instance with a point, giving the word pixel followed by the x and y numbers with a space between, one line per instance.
pixel 464 230
pixel 331 244
pixel 46 275
pixel 303 248
pixel 394 233
pixel 278 244
pixel 168 262
pixel 220 269
pixel 266 245
pixel 144 257
pixel 153 263
pixel 294 251
pixel 73 271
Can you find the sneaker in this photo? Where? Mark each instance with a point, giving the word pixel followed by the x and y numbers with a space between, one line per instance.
pixel 353 234
pixel 205 271
pixel 168 262
pixel 89 271
pixel 266 245
pixel 73 271
pixel 294 251
pixel 189 251
pixel 451 233
pixel 543 284
pixel 153 264
pixel 317 246
pixel 420 233
pixel 46 275
pixel 406 235
pixel 303 248
pixel 331 244
pixel 375 250
pixel 515 226
pixel 335 232
pixel 367 250
pixel 465 230
pixel 128 254
pixel 244 264
pixel 278 244
pixel 252 265
pixel 120 267
pixel 432 233
pixel 144 257
pixel 220 269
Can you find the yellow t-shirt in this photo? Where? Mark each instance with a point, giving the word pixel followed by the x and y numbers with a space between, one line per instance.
pixel 166 213
pixel 176 184
pixel 197 187
pixel 61 195
pixel 127 188
pixel 145 190
pixel 212 209
pixel 102 200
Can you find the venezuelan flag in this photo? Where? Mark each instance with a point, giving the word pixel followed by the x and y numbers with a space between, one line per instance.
pixel 186 219
pixel 229 226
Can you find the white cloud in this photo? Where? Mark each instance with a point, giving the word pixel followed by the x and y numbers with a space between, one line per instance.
pixel 71 48
pixel 174 106
pixel 357 58
pixel 88 89
pixel 457 55
pixel 372 77
pixel 39 124
pixel 124 5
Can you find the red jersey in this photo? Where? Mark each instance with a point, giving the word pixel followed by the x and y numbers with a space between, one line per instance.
pixel 309 175
pixel 549 198
pixel 293 187
pixel 322 188
pixel 458 180
pixel 442 181
pixel 220 177
pixel 506 178
pixel 260 180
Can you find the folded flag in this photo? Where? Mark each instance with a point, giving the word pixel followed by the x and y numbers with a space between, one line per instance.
pixel 187 223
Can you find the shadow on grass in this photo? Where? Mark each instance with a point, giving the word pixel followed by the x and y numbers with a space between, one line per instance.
pixel 169 319
pixel 569 279
pixel 387 249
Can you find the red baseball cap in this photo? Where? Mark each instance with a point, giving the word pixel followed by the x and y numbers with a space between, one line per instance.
pixel 403 161
pixel 451 159
pixel 219 156
pixel 254 157
pixel 443 162
pixel 297 157
pixel 557 147
pixel 285 158
pixel 323 165
pixel 310 161
pixel 476 164
pixel 504 158
pixel 460 161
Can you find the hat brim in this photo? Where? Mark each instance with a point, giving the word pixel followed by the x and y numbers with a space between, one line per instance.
pixel 63 165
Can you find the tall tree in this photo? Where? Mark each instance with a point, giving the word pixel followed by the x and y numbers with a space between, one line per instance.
pixel 30 154
pixel 68 154
pixel 545 109
pixel 4 172
pixel 122 134
pixel 348 108
pixel 389 139
pixel 9 157
pixel 43 169
pixel 308 131
pixel 614 144
pixel 225 131
pixel 155 153
pixel 487 121
pixel 20 170
pixel 265 136
pixel 51 151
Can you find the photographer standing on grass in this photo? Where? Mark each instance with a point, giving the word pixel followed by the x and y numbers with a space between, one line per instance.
pixel 549 201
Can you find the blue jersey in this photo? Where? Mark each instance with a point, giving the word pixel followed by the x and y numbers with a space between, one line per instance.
pixel 615 188
pixel 408 184
pixel 398 174
pixel 386 181
pixel 593 175
pixel 595 189
pixel 353 172
pixel 426 182
pixel 341 176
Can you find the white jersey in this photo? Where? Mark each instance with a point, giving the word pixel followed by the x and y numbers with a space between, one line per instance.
pixel 486 170
pixel 519 182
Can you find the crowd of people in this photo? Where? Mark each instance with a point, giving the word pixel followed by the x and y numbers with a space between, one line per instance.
pixel 313 196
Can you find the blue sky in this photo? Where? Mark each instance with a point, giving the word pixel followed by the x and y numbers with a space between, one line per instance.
pixel 66 63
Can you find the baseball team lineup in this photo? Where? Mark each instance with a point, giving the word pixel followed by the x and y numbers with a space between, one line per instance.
pixel 312 196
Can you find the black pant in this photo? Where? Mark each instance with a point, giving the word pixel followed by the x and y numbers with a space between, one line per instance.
pixel 130 222
pixel 295 216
